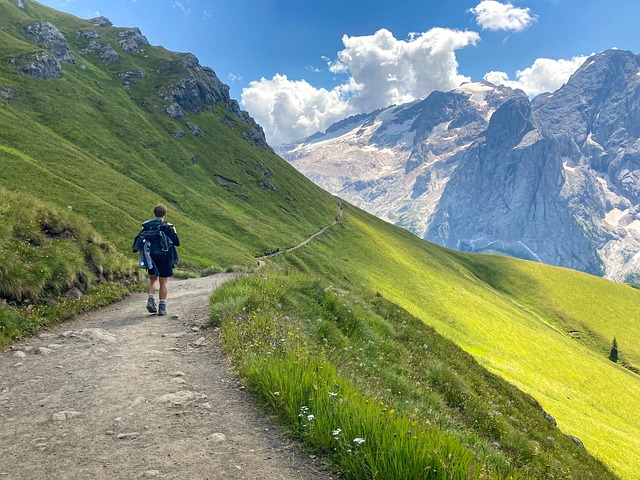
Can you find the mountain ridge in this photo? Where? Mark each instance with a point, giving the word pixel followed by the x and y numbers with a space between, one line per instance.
pixel 590 152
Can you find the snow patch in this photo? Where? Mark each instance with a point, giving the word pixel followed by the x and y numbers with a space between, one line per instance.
pixel 477 92
pixel 529 139
pixel 635 226
pixel 614 216
pixel 591 141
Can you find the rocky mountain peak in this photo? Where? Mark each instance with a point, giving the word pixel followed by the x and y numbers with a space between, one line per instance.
pixel 482 168
pixel 510 122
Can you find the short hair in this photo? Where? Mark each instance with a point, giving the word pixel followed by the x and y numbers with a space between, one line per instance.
pixel 160 210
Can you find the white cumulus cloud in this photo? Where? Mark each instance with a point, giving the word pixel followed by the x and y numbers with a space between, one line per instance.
pixel 380 71
pixel 545 75
pixel 493 15
pixel 293 109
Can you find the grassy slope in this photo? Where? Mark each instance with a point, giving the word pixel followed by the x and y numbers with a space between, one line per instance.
pixel 128 159
pixel 513 330
pixel 86 142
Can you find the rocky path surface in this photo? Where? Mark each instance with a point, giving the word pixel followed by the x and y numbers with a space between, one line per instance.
pixel 122 394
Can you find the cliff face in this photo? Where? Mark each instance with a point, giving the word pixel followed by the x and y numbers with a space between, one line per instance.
pixel 483 168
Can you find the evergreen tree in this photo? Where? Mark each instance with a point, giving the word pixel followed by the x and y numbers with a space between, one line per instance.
pixel 613 354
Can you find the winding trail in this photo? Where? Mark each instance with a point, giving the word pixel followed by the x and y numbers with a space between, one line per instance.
pixel 306 241
pixel 121 394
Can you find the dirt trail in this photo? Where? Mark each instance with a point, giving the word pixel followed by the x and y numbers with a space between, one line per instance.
pixel 122 394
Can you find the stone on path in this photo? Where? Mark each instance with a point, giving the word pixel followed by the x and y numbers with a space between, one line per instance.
pixel 65 415
pixel 180 399
pixel 218 437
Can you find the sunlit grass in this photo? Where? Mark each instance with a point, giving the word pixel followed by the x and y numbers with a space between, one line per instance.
pixel 357 363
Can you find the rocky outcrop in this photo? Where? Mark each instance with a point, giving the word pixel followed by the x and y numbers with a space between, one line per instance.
pixel 8 93
pixel 199 89
pixel 19 3
pixel 100 22
pixel 174 111
pixel 106 53
pixel 127 76
pixel 87 34
pixel 38 65
pixel 133 40
pixel 47 35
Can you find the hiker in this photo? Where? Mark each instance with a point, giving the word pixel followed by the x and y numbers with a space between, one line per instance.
pixel 157 242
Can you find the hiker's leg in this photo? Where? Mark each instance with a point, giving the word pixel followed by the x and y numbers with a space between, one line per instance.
pixel 164 287
pixel 152 285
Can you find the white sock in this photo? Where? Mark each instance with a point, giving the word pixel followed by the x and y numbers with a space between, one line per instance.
pixel 152 296
pixel 163 302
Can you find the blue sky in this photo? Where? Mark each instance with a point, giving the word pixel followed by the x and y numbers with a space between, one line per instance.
pixel 297 66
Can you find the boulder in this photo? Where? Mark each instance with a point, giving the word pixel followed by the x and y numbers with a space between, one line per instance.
pixel 195 129
pixel 47 34
pixel 174 111
pixel 576 440
pixel 74 293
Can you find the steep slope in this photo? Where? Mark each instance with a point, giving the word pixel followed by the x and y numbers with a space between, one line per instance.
pixel 94 118
pixel 561 189
pixel 544 329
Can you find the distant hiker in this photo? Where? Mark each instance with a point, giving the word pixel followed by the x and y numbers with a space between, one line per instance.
pixel 157 242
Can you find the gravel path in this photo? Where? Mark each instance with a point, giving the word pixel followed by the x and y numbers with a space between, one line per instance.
pixel 122 394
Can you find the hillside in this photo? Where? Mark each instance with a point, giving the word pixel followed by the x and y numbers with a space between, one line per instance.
pixel 96 126
pixel 116 134
pixel 543 329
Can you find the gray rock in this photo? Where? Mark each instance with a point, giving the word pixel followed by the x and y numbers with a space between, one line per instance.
pixel 179 133
pixel 51 38
pixel 195 129
pixel 133 40
pixel 88 34
pixel 577 441
pixel 100 22
pixel 129 45
pixel 65 415
pixel 19 3
pixel 7 93
pixel 132 74
pixel 105 52
pixel 174 111
pixel 74 293
pixel 218 437
pixel 44 351
pixel 19 354
pixel 38 65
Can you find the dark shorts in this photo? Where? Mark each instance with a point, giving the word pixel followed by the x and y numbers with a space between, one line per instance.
pixel 164 268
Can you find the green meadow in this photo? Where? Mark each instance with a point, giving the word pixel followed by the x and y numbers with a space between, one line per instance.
pixel 389 356
pixel 514 317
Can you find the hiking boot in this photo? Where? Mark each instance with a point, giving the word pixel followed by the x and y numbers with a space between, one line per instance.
pixel 151 306
pixel 162 311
